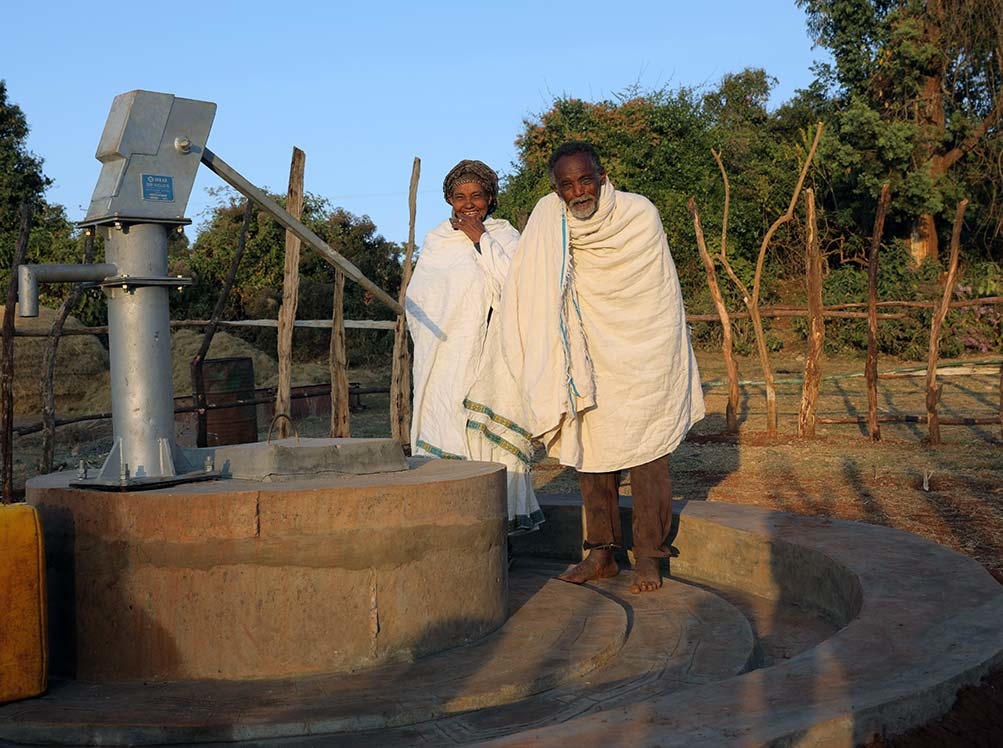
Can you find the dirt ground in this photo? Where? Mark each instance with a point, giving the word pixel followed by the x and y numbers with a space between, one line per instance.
pixel 951 493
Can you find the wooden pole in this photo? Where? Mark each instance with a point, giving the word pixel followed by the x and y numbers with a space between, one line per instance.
pixel 400 380
pixel 338 361
pixel 49 363
pixel 975 421
pixel 290 294
pixel 751 299
pixel 871 365
pixel 196 365
pixel 753 302
pixel 7 358
pixel 816 323
pixel 722 312
pixel 933 389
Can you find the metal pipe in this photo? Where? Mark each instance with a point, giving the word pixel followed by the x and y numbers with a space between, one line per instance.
pixel 139 350
pixel 29 276
pixel 233 178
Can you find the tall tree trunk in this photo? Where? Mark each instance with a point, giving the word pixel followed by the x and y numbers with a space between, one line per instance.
pixel 816 322
pixel 923 245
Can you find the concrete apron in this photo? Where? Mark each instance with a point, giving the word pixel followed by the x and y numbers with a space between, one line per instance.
pixel 916 622
pixel 238 579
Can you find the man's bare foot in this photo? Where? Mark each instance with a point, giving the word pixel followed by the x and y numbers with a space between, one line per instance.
pixel 647 575
pixel 599 564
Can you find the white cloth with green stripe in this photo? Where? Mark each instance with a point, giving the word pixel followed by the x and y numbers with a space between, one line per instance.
pixel 447 303
pixel 592 328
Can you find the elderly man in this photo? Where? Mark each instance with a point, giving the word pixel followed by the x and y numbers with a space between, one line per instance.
pixel 594 333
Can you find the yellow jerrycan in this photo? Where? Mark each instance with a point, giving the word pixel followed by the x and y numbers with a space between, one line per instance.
pixel 24 650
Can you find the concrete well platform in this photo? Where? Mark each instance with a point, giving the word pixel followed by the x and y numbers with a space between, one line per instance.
pixel 238 579
pixel 774 630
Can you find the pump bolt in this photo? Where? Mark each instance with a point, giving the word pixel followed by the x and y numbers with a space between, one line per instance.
pixel 82 470
pixel 183 145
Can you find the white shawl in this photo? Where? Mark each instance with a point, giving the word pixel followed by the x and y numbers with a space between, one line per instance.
pixel 593 331
pixel 447 303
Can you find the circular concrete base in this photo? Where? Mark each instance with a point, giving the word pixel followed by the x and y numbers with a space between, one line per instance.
pixel 776 630
pixel 238 579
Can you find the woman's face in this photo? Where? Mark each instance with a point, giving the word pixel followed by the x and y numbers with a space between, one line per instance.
pixel 470 200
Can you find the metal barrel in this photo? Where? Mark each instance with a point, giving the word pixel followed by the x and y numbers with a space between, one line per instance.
pixel 229 380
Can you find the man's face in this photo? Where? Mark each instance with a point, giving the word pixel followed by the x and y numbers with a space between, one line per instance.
pixel 577 181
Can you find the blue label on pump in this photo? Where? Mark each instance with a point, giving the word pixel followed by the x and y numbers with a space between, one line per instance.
pixel 158 187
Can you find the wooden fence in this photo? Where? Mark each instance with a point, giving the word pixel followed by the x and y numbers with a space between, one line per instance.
pixel 400 386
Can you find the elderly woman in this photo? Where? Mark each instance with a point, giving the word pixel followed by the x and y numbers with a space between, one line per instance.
pixel 458 279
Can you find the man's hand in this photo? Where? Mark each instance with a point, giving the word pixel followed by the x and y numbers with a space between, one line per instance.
pixel 470 225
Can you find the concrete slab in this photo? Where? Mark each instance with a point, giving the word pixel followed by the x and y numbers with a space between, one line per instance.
pixel 894 626
pixel 282 459
pixel 563 647
pixel 917 623
pixel 243 579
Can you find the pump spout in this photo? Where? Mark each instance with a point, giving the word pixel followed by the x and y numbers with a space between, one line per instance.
pixel 29 276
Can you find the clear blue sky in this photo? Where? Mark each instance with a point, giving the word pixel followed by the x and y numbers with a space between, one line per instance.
pixel 364 87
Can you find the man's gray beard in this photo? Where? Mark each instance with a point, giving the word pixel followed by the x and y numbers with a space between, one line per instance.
pixel 581 211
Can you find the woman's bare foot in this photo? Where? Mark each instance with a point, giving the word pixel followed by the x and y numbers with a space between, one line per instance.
pixel 599 564
pixel 647 575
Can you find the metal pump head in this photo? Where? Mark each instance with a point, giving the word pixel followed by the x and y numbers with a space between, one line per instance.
pixel 149 151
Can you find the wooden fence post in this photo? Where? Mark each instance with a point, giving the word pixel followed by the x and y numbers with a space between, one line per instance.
pixel 751 298
pixel 871 365
pixel 933 390
pixel 400 380
pixel 338 361
pixel 7 358
pixel 816 322
pixel 290 294
pixel 722 311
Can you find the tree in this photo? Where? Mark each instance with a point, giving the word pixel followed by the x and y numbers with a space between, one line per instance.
pixel 651 143
pixel 659 144
pixel 53 237
pixel 919 92
pixel 258 289
pixel 21 177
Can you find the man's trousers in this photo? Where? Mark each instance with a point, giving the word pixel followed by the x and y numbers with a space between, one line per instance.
pixel 651 489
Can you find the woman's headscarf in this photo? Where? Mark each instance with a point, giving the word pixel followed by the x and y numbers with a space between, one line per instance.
pixel 477 172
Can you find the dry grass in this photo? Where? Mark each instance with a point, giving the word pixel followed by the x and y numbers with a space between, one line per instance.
pixel 841 473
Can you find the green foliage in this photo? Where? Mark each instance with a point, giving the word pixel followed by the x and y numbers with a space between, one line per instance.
pixel 907 337
pixel 914 90
pixel 659 144
pixel 257 292
pixel 21 179
pixel 977 329
pixel 655 144
pixel 52 237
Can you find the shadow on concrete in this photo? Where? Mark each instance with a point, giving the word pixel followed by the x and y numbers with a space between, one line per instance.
pixel 66 583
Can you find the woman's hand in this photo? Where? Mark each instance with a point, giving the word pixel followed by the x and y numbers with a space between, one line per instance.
pixel 472 226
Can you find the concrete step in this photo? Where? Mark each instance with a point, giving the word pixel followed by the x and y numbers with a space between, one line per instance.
pixel 680 637
pixel 564 649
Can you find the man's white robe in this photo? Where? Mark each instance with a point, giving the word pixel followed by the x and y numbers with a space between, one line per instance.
pixel 593 330
pixel 451 292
